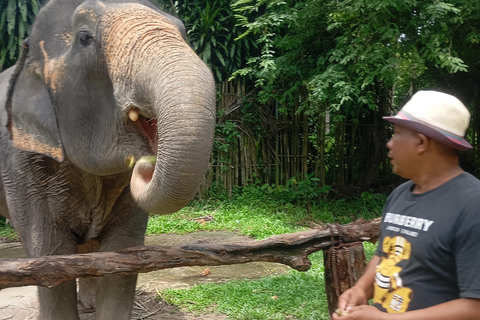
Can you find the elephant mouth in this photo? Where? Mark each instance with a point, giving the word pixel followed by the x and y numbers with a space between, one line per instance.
pixel 147 127
pixel 145 167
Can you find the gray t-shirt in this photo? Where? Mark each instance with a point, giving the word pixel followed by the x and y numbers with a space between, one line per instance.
pixel 429 246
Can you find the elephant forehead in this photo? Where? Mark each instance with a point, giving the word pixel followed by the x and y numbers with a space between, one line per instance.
pixel 132 24
pixel 136 15
pixel 130 30
pixel 88 12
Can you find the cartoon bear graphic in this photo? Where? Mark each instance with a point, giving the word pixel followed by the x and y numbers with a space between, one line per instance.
pixel 389 290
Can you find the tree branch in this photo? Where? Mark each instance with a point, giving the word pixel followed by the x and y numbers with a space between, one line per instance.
pixel 289 249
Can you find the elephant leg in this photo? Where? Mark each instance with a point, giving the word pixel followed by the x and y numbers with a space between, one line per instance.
pixel 59 303
pixel 115 296
pixel 86 294
pixel 41 237
pixel 87 287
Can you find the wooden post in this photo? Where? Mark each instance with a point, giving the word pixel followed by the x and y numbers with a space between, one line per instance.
pixel 344 265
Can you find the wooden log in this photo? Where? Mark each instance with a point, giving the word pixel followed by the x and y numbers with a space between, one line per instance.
pixel 289 249
pixel 344 265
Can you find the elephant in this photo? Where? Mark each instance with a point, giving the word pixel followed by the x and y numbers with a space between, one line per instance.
pixel 96 83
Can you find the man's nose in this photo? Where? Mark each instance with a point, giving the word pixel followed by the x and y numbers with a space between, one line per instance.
pixel 389 142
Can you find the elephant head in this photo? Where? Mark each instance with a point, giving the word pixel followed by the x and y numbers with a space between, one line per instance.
pixel 100 81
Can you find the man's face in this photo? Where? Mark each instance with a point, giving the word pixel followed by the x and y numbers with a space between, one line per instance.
pixel 402 151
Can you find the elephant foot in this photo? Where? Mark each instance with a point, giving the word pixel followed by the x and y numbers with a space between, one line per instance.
pixel 84 310
pixel 86 295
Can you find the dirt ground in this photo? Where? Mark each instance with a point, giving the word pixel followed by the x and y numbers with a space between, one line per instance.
pixel 21 303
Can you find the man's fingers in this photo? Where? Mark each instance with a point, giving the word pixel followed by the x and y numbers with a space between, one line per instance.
pixel 343 301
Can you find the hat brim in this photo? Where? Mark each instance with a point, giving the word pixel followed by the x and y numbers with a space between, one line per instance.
pixel 459 144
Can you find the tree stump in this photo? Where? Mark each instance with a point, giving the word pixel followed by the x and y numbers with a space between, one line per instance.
pixel 344 265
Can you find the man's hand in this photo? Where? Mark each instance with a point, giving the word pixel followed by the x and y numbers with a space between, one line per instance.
pixel 359 294
pixel 351 298
pixel 361 313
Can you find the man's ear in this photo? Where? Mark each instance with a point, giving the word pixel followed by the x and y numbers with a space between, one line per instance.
pixel 34 125
pixel 423 142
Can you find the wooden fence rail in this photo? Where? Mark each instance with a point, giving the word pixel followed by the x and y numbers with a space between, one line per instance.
pixel 289 249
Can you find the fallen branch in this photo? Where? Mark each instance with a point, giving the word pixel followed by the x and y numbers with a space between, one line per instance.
pixel 289 249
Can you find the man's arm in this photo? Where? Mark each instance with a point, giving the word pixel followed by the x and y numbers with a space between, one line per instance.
pixel 459 309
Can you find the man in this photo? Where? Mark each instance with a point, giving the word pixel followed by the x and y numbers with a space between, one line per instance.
pixel 427 262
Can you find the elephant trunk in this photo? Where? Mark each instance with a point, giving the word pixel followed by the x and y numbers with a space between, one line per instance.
pixel 185 137
pixel 166 82
pixel 185 116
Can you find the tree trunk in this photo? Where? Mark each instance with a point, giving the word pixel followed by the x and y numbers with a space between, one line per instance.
pixel 305 147
pixel 344 265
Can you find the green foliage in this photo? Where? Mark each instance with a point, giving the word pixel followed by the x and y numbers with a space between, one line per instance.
pixel 266 28
pixel 213 33
pixel 227 135
pixel 302 192
pixel 339 50
pixel 15 18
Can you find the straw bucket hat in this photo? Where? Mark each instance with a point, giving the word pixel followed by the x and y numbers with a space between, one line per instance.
pixel 437 115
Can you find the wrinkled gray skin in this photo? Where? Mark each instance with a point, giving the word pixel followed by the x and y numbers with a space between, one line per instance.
pixel 65 134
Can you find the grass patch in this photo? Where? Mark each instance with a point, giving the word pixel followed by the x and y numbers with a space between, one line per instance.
pixel 260 216
pixel 7 233
pixel 294 295
pixel 258 220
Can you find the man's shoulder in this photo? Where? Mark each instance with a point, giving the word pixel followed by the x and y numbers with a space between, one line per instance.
pixel 469 180
pixel 464 186
pixel 406 186
pixel 467 188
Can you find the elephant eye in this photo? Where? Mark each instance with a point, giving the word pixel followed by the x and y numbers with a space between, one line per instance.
pixel 85 37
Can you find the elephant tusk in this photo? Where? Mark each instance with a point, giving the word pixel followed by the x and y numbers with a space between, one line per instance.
pixel 130 161
pixel 133 115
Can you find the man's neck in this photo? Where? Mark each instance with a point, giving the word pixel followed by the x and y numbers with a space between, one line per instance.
pixel 434 177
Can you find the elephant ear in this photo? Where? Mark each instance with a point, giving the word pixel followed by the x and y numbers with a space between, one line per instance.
pixel 32 121
pixel 5 77
pixel 34 124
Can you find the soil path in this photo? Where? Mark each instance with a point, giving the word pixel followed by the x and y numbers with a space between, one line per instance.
pixel 21 303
